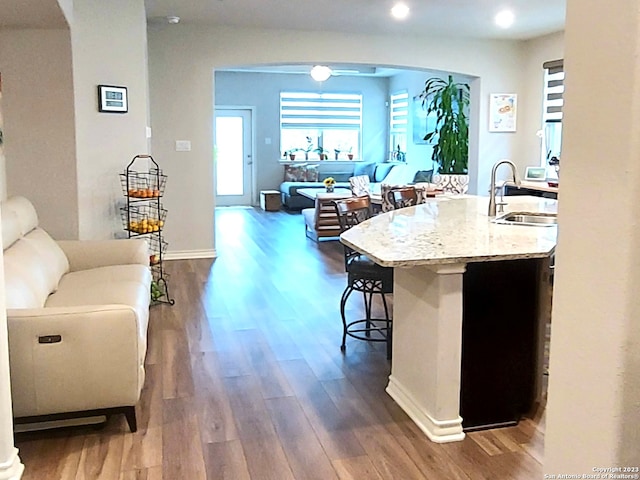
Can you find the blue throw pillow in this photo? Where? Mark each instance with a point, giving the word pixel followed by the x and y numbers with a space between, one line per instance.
pixel 382 170
pixel 367 169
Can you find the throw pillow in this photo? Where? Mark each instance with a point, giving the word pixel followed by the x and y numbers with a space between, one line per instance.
pixel 382 169
pixel 367 169
pixel 311 173
pixel 423 176
pixel 295 173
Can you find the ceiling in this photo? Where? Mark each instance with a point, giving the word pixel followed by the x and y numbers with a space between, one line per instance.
pixel 458 18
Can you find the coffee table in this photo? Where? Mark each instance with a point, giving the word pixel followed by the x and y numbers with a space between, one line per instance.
pixel 322 221
pixel 314 193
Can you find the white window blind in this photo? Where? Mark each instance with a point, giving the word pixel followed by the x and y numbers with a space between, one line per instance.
pixel 553 90
pixel 399 113
pixel 323 111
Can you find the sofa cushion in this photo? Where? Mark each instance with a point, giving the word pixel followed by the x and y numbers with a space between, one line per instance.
pixel 25 211
pixel 27 279
pixel 337 176
pixel 10 228
pixel 115 284
pixel 50 255
pixel 362 168
pixel 382 170
pixel 400 175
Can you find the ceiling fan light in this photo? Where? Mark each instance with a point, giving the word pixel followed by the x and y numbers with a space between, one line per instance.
pixel 400 11
pixel 504 18
pixel 320 73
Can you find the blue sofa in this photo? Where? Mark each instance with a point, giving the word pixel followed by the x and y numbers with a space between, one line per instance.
pixel 341 172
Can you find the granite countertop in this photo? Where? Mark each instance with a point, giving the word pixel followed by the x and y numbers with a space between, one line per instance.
pixel 452 229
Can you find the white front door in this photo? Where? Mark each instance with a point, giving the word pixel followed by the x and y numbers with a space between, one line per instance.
pixel 233 157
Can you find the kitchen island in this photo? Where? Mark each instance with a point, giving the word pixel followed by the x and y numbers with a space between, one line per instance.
pixel 471 304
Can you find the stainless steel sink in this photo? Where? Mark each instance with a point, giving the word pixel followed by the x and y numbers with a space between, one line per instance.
pixel 532 219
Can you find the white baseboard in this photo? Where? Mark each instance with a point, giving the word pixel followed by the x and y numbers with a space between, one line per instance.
pixel 438 431
pixel 190 254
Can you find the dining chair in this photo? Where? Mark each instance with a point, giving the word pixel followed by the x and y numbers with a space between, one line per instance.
pixel 359 185
pixel 411 197
pixel 365 276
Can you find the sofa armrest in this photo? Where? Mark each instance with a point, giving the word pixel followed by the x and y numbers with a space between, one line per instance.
pixel 85 254
pixel 95 362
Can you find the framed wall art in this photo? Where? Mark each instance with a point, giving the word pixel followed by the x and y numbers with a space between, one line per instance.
pixel 502 112
pixel 112 99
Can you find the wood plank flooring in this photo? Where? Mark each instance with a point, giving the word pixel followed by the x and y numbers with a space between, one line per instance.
pixel 246 381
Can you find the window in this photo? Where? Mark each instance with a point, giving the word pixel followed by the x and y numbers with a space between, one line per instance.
pixel 311 123
pixel 553 102
pixel 398 115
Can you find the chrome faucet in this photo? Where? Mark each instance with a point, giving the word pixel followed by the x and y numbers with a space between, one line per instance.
pixel 492 191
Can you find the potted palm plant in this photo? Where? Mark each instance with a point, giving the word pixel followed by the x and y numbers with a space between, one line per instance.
pixel 449 102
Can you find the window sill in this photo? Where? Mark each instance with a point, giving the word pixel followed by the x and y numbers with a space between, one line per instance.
pixel 316 161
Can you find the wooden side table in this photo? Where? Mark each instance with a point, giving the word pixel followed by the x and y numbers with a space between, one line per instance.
pixel 270 200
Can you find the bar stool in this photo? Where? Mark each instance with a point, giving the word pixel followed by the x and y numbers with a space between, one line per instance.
pixel 366 276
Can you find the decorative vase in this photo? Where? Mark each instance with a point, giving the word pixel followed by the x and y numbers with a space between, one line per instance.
pixel 329 188
pixel 451 183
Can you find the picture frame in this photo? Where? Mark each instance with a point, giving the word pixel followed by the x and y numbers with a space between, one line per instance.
pixel 503 109
pixel 112 99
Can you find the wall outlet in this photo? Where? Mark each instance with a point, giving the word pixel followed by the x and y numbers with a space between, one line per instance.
pixel 183 145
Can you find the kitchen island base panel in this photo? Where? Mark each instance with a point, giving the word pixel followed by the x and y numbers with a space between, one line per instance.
pixel 427 345
pixel 436 430
pixel 500 341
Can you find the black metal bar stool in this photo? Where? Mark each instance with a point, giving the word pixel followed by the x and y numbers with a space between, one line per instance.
pixel 366 276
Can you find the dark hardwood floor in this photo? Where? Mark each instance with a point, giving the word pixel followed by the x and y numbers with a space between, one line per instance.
pixel 245 380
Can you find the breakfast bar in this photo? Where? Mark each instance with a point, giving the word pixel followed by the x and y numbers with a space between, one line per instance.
pixel 472 298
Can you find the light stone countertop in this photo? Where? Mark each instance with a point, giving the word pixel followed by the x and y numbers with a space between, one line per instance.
pixel 452 229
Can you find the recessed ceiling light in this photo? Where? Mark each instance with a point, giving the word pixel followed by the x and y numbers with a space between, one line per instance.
pixel 173 19
pixel 504 19
pixel 400 11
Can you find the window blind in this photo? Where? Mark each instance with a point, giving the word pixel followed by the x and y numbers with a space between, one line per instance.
pixel 554 90
pixel 399 112
pixel 302 110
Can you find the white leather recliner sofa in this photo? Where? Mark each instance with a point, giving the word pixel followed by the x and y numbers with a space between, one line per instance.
pixel 77 314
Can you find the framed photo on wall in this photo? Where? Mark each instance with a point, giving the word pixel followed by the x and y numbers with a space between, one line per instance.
pixel 112 99
pixel 502 112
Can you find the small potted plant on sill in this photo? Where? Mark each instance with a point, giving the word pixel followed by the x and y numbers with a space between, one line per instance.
pixel 321 152
pixel 308 148
pixel 329 184
pixel 349 154
pixel 291 153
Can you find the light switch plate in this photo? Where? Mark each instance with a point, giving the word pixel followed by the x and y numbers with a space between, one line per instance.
pixel 183 145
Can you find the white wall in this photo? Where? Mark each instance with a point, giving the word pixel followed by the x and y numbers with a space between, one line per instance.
pixel 39 121
pixel 181 64
pixel 111 51
pixel 262 91
pixel 593 409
